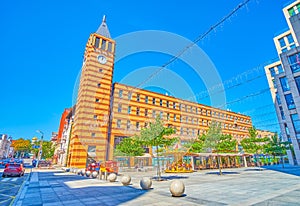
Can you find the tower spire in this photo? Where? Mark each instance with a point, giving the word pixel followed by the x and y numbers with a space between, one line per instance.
pixel 103 29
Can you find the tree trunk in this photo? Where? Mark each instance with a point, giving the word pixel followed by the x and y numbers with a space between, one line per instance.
pixel 219 163
pixel 158 165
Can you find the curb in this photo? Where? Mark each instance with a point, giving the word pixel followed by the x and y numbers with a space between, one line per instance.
pixel 21 189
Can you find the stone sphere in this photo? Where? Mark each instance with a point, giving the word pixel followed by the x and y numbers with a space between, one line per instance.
pixel 94 174
pixel 88 173
pixel 79 171
pixel 82 172
pixel 145 183
pixel 112 177
pixel 177 188
pixel 126 179
pixel 75 171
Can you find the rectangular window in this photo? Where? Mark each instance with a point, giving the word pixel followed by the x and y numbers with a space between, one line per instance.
pixel 146 99
pixel 168 116
pixel 282 42
pixel 160 102
pixel 137 111
pixel 153 101
pixel 180 106
pixel 272 72
pixel 138 97
pixel 109 47
pixel 100 70
pixel 290 38
pixel 120 93
pixel 118 123
pixel 284 84
pixel 291 12
pixel 137 125
pixel 181 131
pixel 167 104
pixel 129 110
pixel 290 101
pixel 186 108
pixel 153 113
pixel 161 115
pixel 146 112
pixel 174 117
pixel 278 98
pixel 280 69
pixel 180 118
pixel 95 116
pixel 296 123
pixel 297 80
pixel 103 46
pixel 282 113
pixel 145 124
pixel 119 107
pixel 97 41
pixel 294 61
pixel 174 105
pixel 196 110
pixel 191 109
pixel 98 85
pixel 93 134
pixel 91 148
pixel 128 124
pixel 97 100
pixel 129 95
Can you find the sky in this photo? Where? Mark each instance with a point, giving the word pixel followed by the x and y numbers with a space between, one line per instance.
pixel 42 45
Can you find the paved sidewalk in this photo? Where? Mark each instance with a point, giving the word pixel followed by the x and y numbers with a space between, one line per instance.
pixel 242 186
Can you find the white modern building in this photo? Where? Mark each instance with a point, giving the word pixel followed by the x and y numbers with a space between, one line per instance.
pixel 284 80
pixel 5 142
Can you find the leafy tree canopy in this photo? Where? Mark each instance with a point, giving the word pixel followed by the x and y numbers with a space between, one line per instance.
pixel 129 147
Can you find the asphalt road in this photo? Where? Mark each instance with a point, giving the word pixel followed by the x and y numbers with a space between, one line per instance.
pixel 9 187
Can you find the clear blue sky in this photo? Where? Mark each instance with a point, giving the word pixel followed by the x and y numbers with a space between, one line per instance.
pixel 42 44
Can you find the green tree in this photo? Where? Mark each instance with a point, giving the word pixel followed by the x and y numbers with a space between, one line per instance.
pixel 197 145
pixel 155 135
pixel 213 140
pixel 253 144
pixel 129 147
pixel 21 146
pixel 277 148
pixel 48 149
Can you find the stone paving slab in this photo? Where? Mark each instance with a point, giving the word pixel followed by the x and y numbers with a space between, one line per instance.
pixel 239 186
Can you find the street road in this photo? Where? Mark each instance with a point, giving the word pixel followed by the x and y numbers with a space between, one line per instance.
pixel 9 187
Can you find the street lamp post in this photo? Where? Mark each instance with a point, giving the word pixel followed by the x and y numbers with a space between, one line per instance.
pixel 40 148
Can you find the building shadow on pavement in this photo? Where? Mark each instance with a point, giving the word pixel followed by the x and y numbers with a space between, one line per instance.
pixel 70 189
pixel 288 169
pixel 223 173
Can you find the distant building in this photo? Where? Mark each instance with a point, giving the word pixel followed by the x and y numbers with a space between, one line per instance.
pixel 284 80
pixel 63 137
pixel 265 133
pixel 5 142
pixel 107 112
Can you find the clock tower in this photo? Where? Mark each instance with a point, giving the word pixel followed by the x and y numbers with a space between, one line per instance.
pixel 89 137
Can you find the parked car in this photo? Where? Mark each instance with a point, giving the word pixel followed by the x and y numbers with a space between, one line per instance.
pixel 13 169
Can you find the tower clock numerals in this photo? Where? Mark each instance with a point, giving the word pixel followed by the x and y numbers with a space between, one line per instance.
pixel 102 59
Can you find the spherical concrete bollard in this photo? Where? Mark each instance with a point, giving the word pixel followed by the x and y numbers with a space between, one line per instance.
pixel 112 177
pixel 94 174
pixel 88 173
pixel 79 171
pixel 145 183
pixel 177 188
pixel 75 171
pixel 82 172
pixel 126 179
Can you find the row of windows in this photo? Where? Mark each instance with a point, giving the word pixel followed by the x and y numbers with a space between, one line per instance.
pixel 103 44
pixel 180 106
pixel 294 10
pixel 276 70
pixel 156 113
pixel 286 43
pixel 294 61
pixel 138 125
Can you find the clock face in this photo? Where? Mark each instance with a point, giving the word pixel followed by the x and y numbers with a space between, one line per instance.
pixel 102 59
